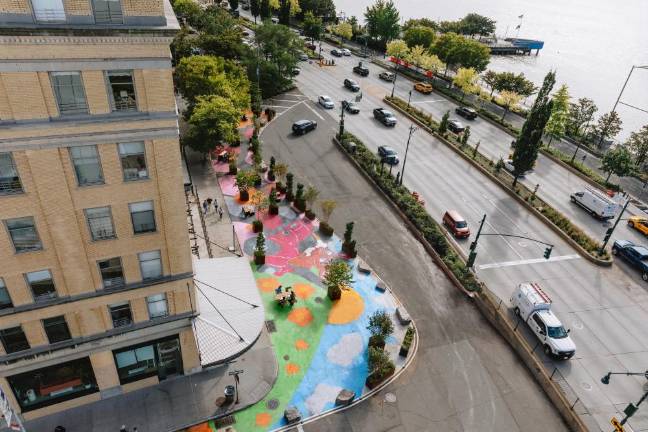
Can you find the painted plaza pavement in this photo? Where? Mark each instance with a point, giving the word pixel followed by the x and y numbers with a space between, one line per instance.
pixel 321 346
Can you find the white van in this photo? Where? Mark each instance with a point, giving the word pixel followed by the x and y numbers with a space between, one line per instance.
pixel 596 202
pixel 533 306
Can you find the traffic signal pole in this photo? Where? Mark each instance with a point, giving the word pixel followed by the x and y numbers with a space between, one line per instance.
pixel 609 232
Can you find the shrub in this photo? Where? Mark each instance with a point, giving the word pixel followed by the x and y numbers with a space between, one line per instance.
pixel 348 246
pixel 259 250
pixel 380 325
pixel 337 275
pixel 257 226
pixel 380 367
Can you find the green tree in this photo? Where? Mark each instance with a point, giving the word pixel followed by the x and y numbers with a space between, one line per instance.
pixel 255 9
pixel 466 80
pixel 618 161
pixel 259 247
pixel 450 27
pixel 344 30
pixel 580 115
pixel 420 22
pixel 337 275
pixel 607 127
pixel 184 45
pixel 431 63
pixel 312 26
pixel 443 124
pixel 327 207
pixel 380 325
pixel 188 9
pixel 355 26
pixel 397 49
pixel 245 180
pixel 264 9
pixel 416 55
pixel 557 123
pixel 638 146
pixel 284 12
pixel 227 44
pixel 319 8
pixel 515 83
pixel 214 120
pixel 508 99
pixel 528 141
pixel 457 51
pixel 382 20
pixel 475 24
pixel 281 47
pixel 490 78
pixel 419 35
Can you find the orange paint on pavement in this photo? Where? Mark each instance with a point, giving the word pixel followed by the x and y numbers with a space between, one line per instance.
pixel 203 427
pixel 348 309
pixel 268 284
pixel 263 419
pixel 302 290
pixel 301 345
pixel 301 316
pixel 292 369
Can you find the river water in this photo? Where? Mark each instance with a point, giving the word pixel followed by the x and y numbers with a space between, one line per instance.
pixel 592 44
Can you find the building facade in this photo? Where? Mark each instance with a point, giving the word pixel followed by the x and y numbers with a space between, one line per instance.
pixel 96 293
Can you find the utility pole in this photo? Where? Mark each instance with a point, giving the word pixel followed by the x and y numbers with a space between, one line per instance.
pixel 412 129
pixel 609 232
pixel 395 76
pixel 631 409
pixel 341 120
pixel 235 373
pixel 409 99
pixel 472 255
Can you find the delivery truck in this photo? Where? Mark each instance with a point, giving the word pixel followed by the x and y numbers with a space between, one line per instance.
pixel 596 202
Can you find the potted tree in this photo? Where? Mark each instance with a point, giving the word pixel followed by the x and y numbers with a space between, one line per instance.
pixel 280 171
pixel 257 226
pixel 232 168
pixel 271 172
pixel 300 202
pixel 310 196
pixel 273 206
pixel 337 275
pixel 407 342
pixel 289 187
pixel 348 246
pixel 245 179
pixel 259 250
pixel 380 366
pixel 381 327
pixel 327 207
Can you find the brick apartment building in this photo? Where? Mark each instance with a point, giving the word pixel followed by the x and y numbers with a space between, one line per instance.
pixel 96 294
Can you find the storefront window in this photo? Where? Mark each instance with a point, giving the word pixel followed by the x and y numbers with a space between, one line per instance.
pixel 54 384
pixel 161 358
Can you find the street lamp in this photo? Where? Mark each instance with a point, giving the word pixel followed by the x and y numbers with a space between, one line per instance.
pixel 409 99
pixel 395 76
pixel 412 129
pixel 631 408
pixel 341 119
pixel 624 86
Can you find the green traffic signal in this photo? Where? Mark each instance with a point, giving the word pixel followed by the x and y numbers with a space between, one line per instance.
pixel 547 252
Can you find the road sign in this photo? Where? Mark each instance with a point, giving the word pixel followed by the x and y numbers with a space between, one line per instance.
pixel 618 427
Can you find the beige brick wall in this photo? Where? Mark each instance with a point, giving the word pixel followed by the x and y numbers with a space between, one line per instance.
pixel 138 308
pixel 24 95
pixel 15 6
pixel 5 107
pixel 159 90
pixel 77 7
pixel 96 92
pixel 48 94
pixel 190 356
pixel 143 7
pixel 35 333
pixel 81 48
pixel 103 365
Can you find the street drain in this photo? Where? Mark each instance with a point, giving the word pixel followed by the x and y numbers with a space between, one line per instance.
pixel 272 404
pixel 390 397
pixel 224 421
pixel 270 326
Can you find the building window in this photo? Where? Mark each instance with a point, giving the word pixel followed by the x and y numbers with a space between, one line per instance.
pixel 162 358
pixel 150 264
pixel 122 90
pixel 157 305
pixel 133 161
pixel 23 234
pixel 9 179
pixel 70 95
pixel 56 329
pixel 49 10
pixel 107 12
pixel 100 223
pixel 5 300
pixel 87 165
pixel 143 217
pixel 14 340
pixel 42 285
pixel 111 272
pixel 121 314
pixel 64 381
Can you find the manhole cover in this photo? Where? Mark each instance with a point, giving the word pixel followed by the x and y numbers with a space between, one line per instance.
pixel 318 300
pixel 286 357
pixel 272 404
pixel 224 421
pixel 390 397
pixel 270 326
pixel 586 386
pixel 578 324
pixel 522 244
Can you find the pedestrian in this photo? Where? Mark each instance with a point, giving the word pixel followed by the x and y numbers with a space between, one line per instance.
pixel 220 214
pixel 123 429
pixel 134 428
pixel 209 201
pixel 204 204
pixel 215 205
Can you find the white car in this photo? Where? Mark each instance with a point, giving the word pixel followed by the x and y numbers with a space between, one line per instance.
pixel 345 51
pixel 326 102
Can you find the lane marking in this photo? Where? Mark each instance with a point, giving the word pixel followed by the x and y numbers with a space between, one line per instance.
pixel 279 106
pixel 528 261
pixel 285 100
pixel 428 101
pixel 311 108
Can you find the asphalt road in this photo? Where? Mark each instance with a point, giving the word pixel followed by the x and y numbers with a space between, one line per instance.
pixel 465 376
pixel 606 308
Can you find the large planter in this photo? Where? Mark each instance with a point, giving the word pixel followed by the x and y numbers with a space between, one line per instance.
pixel 281 188
pixel 273 210
pixel 349 249
pixel 326 229
pixel 404 350
pixel 233 169
pixel 310 214
pixel 374 380
pixel 259 259
pixel 257 226
pixel 244 195
pixel 377 342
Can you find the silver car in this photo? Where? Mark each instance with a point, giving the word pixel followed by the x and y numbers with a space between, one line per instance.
pixel 326 102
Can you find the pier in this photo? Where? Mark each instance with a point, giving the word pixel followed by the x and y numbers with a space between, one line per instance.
pixel 512 46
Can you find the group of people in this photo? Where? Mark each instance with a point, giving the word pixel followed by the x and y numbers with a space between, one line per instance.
pixel 207 204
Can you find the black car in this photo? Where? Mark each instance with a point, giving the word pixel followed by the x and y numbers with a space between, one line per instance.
pixel 456 126
pixel 361 70
pixel 300 127
pixel 351 85
pixel 385 117
pixel 350 107
pixel 468 113
pixel 388 155
pixel 336 53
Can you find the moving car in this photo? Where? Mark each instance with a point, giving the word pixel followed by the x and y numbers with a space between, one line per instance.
pixel 303 57
pixel 385 117
pixel 467 113
pixel 361 69
pixel 351 85
pixel 423 87
pixel 326 102
pixel 388 155
pixel 639 223
pixel 350 107
pixel 456 126
pixel 533 306
pixel 595 202
pixel 456 224
pixel 336 52
pixel 387 76
pixel 635 255
pixel 300 127
pixel 345 51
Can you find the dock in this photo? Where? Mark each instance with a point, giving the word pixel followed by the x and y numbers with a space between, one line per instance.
pixel 512 46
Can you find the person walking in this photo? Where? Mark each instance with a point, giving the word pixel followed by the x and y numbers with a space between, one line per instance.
pixel 123 429
pixel 220 214
pixel 209 201
pixel 204 205
pixel 215 205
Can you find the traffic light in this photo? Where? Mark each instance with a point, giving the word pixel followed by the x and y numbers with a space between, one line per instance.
pixel 608 234
pixel 547 252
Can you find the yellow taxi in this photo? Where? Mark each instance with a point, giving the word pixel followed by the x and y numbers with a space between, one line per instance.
pixel 423 87
pixel 639 223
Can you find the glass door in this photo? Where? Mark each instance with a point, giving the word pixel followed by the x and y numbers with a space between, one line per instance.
pixel 170 359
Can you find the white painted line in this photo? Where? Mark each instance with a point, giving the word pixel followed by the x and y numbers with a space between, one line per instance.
pixel 284 100
pixel 278 106
pixel 429 101
pixel 311 108
pixel 528 261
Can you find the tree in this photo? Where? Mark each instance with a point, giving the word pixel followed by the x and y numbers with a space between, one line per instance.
pixel 528 141
pixel 580 115
pixel 380 326
pixel 349 245
pixel 215 119
pixel 327 207
pixel 380 365
pixel 184 45
pixel 255 9
pixel 416 55
pixel 509 99
pixel 637 144
pixel 431 63
pixel 557 123
pixel 608 126
pixel 473 24
pixel 443 125
pixel 188 9
pixel 259 249
pixel 234 4
pixel 312 26
pixel 466 80
pixel 310 196
pixel 264 9
pixel 337 275
pixel 465 136
pixel 515 83
pixel 420 22
pixel 382 20
pixel 397 49
pixel 450 27
pixel 355 26
pixel 284 12
pixel 419 35
pixel 344 30
pixel 456 50
pixel 245 180
pixel 617 161
pixel 490 78
pixel 319 8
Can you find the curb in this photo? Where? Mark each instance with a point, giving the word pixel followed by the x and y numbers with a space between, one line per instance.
pixel 543 218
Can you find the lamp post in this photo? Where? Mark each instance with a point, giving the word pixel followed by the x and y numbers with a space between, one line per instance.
pixel 235 373
pixel 341 120
pixel 409 99
pixel 631 408
pixel 412 129
pixel 625 84
pixel 395 76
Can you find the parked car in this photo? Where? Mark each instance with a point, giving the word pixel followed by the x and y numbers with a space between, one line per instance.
pixel 303 57
pixel 423 87
pixel 311 46
pixel 295 71
pixel 385 117
pixel 351 85
pixel 326 102
pixel 336 52
pixel 245 6
pixel 456 224
pixel 467 113
pixel 456 126
pixel 387 76
pixel 595 202
pixel 639 223
pixel 388 155
pixel 361 69
pixel 274 20
pixel 350 107
pixel 345 51
pixel 300 127
pixel 532 305
pixel 635 255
